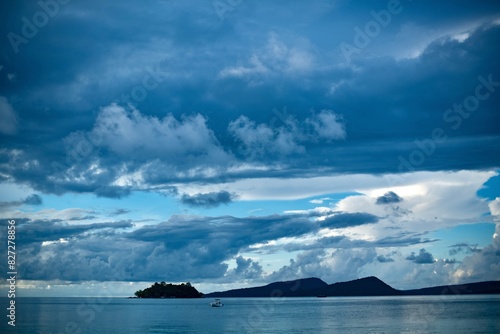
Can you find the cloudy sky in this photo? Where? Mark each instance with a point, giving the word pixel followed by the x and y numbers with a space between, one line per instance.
pixel 232 143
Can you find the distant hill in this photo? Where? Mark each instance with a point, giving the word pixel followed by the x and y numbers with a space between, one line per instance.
pixel 276 289
pixel 368 286
pixel 481 288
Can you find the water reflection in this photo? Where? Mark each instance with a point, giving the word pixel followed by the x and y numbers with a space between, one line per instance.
pixel 422 314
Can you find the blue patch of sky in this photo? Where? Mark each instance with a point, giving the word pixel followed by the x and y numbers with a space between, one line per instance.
pixel 245 208
pixel 480 234
pixel 147 205
pixel 139 205
pixel 491 189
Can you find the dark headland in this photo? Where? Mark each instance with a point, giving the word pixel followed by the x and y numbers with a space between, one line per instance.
pixel 368 286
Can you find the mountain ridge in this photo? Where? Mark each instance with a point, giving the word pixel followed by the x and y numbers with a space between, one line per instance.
pixel 366 286
pixel 274 289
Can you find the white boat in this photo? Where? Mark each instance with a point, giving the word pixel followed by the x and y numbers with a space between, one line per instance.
pixel 217 303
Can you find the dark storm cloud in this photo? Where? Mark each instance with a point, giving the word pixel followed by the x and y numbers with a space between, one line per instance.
pixel 464 247
pixel 231 232
pixel 33 199
pixel 245 269
pixel 346 219
pixel 384 259
pixel 87 217
pixel 405 239
pixel 205 92
pixel 111 191
pixel 389 197
pixel 118 212
pixel 321 243
pixel 96 102
pixel 423 257
pixel 184 247
pixel 208 200
pixel 36 231
pixel 346 243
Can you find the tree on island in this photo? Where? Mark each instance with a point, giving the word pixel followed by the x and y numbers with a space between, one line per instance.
pixel 164 290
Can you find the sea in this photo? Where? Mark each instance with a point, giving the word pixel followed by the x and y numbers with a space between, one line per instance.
pixel 409 314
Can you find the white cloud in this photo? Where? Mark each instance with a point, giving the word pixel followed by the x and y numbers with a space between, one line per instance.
pixel 436 203
pixel 495 212
pixel 256 67
pixel 481 266
pixel 12 192
pixel 133 135
pixel 413 39
pixel 8 125
pixel 496 237
pixel 370 185
pixel 440 194
pixel 320 200
pixel 284 58
pixel 71 216
pixel 327 125
pixel 338 265
pixel 495 208
pixel 431 200
pixel 261 139
pixel 275 57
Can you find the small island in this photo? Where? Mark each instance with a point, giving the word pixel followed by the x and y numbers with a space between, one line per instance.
pixel 164 290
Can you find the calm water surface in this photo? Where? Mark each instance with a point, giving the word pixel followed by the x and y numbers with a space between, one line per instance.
pixel 423 314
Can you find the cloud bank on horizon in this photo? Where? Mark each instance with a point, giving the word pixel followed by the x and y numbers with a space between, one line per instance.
pixel 232 143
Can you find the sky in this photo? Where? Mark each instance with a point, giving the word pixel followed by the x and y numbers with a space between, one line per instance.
pixel 233 143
